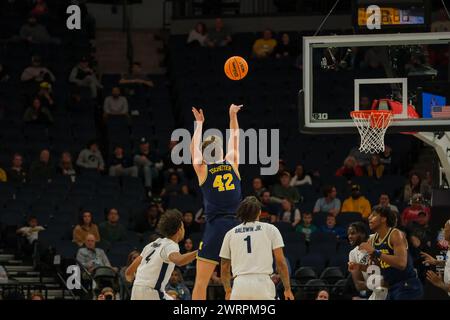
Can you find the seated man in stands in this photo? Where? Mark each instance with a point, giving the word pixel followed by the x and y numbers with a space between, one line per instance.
pixel 329 202
pixel 283 190
pixel 350 169
pixel 357 203
pixel 121 165
pixel 385 202
pixel 219 36
pixel 83 76
pixel 269 209
pixel 115 104
pixel 17 174
pixel 306 226
pixel 147 163
pixel 112 230
pixel 42 169
pixel 91 158
pixel 31 233
pixel 136 78
pixel 35 74
pixel 35 33
pixel 91 257
pixel 263 47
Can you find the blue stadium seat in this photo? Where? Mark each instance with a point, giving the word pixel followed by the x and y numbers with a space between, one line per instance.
pixel 314 260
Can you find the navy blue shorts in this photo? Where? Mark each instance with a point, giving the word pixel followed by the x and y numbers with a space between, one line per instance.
pixel 215 230
pixel 410 289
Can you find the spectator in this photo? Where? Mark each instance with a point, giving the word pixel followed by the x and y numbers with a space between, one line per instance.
pixel 115 105
pixel 442 24
pixel 258 187
pixel 362 158
pixel 169 166
pixel 125 285
pixel 284 190
pixel 66 166
pixel 84 227
pixel 329 202
pixel 112 230
pixel 35 296
pixel 42 169
pixel 419 232
pixel 176 283
pixel 188 245
pixel 198 36
pixel 285 49
pixel 4 75
pixel 190 226
pixel 435 279
pixel 331 227
pixel 17 174
pixel 263 47
pixel 219 36
pixel 375 169
pixel 107 293
pixel 357 203
pixel 40 8
pixel 35 74
pixel 83 76
pixel 358 259
pixel 145 163
pixel 91 158
pixel 173 187
pixel 35 33
pixel 121 165
pixel 269 210
pixel 411 213
pixel 415 186
pixel 350 169
pixel 137 77
pixel 323 295
pixel 91 257
pixel 31 234
pixel 386 159
pixel 289 213
pixel 45 95
pixel 306 227
pixel 75 103
pixel 37 114
pixel 3 176
pixel 149 220
pixel 300 178
pixel 384 202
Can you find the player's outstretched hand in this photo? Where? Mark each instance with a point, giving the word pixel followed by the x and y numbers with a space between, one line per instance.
pixel 234 109
pixel 434 278
pixel 288 295
pixel 366 246
pixel 198 114
pixel 427 259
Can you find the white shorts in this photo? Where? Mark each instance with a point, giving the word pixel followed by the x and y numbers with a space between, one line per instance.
pixel 253 287
pixel 147 293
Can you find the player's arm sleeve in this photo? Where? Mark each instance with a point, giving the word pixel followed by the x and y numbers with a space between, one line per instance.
pixel 277 239
pixel 225 251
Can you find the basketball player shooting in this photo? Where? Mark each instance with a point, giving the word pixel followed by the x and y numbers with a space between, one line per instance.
pixel 388 248
pixel 248 250
pixel 220 183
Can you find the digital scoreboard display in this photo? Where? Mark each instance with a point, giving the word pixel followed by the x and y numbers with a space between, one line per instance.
pixel 393 14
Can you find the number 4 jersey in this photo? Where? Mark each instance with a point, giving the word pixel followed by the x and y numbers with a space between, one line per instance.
pixel 250 248
pixel 155 268
pixel 221 190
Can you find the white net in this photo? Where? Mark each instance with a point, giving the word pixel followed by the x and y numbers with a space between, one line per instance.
pixel 372 126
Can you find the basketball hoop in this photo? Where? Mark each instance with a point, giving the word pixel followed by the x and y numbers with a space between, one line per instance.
pixel 372 126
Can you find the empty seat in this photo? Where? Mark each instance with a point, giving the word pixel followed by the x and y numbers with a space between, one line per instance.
pixel 304 274
pixel 314 260
pixel 332 275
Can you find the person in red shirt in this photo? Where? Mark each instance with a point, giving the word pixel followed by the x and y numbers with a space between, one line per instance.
pixel 350 169
pixel 411 213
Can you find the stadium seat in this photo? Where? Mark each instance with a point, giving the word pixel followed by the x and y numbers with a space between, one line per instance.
pixel 314 260
pixel 304 274
pixel 284 227
pixel 331 275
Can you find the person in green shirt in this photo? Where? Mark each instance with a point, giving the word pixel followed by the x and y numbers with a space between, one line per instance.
pixel 306 227
pixel 283 190
pixel 111 230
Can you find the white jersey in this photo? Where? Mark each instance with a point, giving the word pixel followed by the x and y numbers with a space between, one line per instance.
pixel 249 247
pixel 447 270
pixel 155 268
pixel 359 256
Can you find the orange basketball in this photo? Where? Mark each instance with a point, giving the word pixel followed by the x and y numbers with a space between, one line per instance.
pixel 236 68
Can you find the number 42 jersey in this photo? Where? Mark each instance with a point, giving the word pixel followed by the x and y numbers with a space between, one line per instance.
pixel 250 248
pixel 155 268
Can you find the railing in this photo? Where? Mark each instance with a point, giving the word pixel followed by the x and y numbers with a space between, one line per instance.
pixel 25 288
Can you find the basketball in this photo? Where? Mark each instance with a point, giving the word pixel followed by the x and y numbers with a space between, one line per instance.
pixel 236 68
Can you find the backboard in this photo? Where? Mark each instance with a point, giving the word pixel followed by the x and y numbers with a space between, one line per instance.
pixel 405 73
